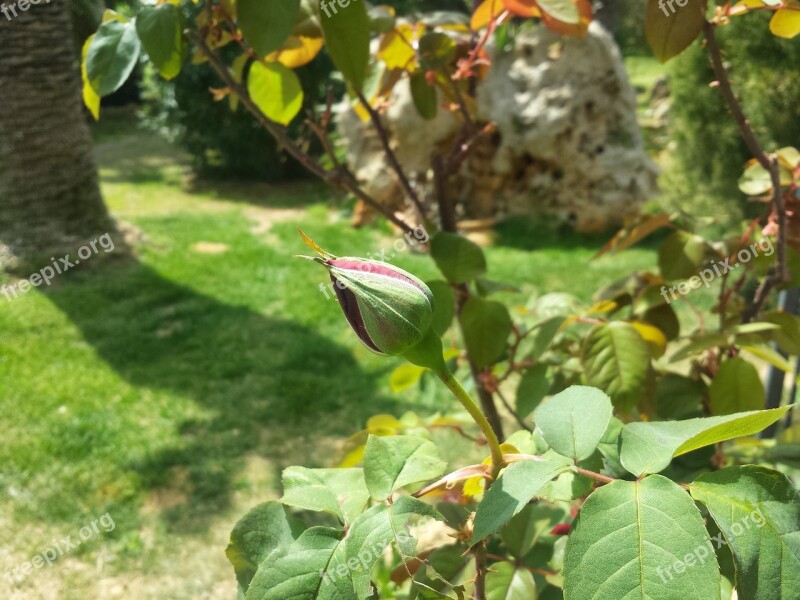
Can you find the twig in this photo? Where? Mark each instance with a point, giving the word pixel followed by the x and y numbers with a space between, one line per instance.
pixel 447 212
pixel 280 135
pixel 462 150
pixel 480 571
pixel 726 89
pixel 779 273
pixel 394 163
pixel 595 476
pixel 514 413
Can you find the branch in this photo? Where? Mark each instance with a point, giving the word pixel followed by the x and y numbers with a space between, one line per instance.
pixel 730 98
pixel 511 410
pixel 779 273
pixel 383 135
pixel 279 133
pixel 596 476
pixel 462 150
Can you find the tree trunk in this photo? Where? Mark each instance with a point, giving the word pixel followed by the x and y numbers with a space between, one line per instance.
pixel 49 194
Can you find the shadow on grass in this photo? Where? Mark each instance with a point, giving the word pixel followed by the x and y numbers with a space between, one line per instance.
pixel 291 194
pixel 529 233
pixel 262 385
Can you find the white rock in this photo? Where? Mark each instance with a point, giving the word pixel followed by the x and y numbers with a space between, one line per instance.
pixel 567 143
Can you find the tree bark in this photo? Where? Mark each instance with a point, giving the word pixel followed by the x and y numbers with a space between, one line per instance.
pixel 49 193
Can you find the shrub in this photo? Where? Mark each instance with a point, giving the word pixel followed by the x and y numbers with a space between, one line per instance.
pixel 707 140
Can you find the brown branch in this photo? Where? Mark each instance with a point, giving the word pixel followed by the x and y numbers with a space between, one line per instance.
pixel 462 104
pixel 480 571
pixel 779 273
pixel 461 150
pixel 279 133
pixel 511 410
pixel 394 163
pixel 447 211
pixel 726 89
pixel 595 476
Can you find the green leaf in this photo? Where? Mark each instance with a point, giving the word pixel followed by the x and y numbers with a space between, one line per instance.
pixel 460 260
pixel 544 335
pixel 486 326
pixel 341 492
pixel 346 31
pixel 532 388
pixel 307 570
pixel 404 377
pixel 699 344
pixel 788 336
pixel 771 356
pixel 393 462
pixel 755 180
pixel 508 495
pixel 574 421
pixel 160 29
pixel 679 397
pixel 736 388
pixel 263 529
pixel 444 305
pixel 562 10
pixel 672 28
pixel 507 582
pixel 111 56
pixel 487 287
pixel 650 447
pixel 424 96
pixel 276 91
pixel 681 255
pixel 629 540
pixel 525 530
pixel 378 527
pixel 266 24
pixel 436 50
pixel 615 359
pixel 758 511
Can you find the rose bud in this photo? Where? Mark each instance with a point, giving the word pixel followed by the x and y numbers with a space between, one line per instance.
pixel 389 309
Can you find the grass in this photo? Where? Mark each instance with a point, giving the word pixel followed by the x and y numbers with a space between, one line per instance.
pixel 170 392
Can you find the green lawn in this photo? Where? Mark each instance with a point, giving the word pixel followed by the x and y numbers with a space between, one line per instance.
pixel 171 391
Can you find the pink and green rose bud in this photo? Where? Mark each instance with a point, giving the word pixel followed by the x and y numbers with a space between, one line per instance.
pixel 390 310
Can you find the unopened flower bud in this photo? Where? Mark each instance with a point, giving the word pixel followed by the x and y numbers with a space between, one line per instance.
pixel 389 309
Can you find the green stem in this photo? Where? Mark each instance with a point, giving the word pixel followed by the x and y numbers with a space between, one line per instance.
pixel 477 414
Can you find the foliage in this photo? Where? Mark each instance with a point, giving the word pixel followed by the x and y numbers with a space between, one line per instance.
pixel 237 147
pixel 610 368
pixel 639 536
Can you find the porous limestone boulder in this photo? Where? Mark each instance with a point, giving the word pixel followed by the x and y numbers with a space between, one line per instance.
pixel 567 143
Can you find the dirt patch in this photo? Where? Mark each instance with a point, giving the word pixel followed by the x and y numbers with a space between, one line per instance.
pixel 209 248
pixel 264 218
